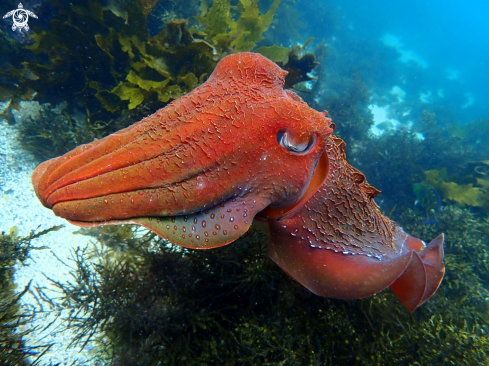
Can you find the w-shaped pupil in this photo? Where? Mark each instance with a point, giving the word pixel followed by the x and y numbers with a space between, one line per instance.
pixel 286 142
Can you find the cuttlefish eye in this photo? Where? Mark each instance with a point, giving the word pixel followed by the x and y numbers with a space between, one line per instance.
pixel 295 145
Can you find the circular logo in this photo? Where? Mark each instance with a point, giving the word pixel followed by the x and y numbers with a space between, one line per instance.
pixel 20 18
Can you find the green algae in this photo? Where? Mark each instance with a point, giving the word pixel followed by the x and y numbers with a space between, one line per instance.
pixel 101 61
pixel 463 194
pixel 240 32
pixel 296 61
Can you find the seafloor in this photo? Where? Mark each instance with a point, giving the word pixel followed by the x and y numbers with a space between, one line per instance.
pixel 20 207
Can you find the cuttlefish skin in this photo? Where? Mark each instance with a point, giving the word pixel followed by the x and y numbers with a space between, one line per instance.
pixel 214 154
pixel 338 244
pixel 198 171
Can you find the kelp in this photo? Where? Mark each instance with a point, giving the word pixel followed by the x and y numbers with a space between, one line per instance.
pixel 275 53
pixel 156 303
pixel 398 159
pixel 157 72
pixel 77 49
pixel 238 27
pixel 463 194
pixel 118 60
pixel 113 56
pixel 148 6
pixel 103 63
pixel 13 318
pixel 296 61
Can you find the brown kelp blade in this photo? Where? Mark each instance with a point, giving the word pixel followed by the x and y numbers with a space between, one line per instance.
pixel 423 275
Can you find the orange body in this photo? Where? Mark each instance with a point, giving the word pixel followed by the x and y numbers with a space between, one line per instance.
pixel 199 170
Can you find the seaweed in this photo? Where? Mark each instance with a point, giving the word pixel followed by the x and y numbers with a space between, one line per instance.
pixel 71 130
pixel 119 59
pixel 349 78
pixel 241 34
pixel 288 13
pixel 443 143
pixel 142 300
pixel 296 61
pixel 13 318
pixel 103 64
pixel 398 159
pixel 101 60
pixel 475 133
pixel 348 106
pixel 463 194
pixel 393 163
pixel 156 303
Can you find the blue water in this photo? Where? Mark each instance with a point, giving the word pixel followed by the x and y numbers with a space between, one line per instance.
pixel 448 42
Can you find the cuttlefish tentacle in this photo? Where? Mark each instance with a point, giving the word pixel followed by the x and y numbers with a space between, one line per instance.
pixel 338 244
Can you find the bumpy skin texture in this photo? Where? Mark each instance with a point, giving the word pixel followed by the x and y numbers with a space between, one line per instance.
pixel 198 171
pixel 212 155
pixel 338 244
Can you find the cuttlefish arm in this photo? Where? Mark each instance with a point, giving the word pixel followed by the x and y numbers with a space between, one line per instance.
pixel 197 171
pixel 336 242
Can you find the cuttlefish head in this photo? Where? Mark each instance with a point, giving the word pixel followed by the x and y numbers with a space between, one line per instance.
pixel 197 171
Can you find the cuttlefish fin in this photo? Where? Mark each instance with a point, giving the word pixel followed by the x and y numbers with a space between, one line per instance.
pixel 422 276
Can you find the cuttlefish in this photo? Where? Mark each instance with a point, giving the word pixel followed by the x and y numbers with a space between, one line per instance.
pixel 238 148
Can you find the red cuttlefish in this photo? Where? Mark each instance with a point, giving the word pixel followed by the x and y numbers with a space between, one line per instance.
pixel 239 146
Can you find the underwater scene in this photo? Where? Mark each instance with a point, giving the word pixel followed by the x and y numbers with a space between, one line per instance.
pixel 244 182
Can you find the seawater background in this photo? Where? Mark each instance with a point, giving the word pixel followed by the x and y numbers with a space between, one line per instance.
pixel 443 46
pixel 438 59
